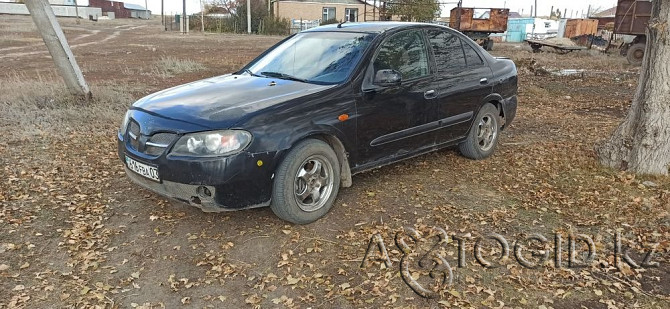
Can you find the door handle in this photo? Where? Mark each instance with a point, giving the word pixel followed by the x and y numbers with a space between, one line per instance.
pixel 430 94
pixel 484 81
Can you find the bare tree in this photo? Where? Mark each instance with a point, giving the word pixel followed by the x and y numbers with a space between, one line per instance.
pixel 641 143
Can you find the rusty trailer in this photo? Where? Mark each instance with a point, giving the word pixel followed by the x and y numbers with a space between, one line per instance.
pixel 631 18
pixel 479 28
pixel 536 45
pixel 579 27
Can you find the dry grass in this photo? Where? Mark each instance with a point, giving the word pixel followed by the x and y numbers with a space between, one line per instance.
pixel 169 66
pixel 17 37
pixel 18 27
pixel 44 105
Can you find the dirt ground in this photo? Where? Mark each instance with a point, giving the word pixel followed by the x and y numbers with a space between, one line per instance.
pixel 74 232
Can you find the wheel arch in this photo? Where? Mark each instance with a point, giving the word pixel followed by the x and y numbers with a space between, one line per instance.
pixel 497 101
pixel 340 150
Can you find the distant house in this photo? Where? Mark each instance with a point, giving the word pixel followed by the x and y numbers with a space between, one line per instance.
pixel 323 10
pixel 606 13
pixel 62 2
pixel 61 8
pixel 604 17
pixel 137 11
pixel 216 12
pixel 120 9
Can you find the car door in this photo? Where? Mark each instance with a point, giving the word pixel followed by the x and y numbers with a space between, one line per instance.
pixel 396 120
pixel 461 81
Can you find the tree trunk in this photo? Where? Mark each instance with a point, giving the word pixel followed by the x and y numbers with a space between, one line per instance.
pixel 641 143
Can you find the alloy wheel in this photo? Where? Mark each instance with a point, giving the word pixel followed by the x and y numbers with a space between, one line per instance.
pixel 487 132
pixel 313 183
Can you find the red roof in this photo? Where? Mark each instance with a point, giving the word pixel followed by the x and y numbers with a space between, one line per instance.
pixel 606 13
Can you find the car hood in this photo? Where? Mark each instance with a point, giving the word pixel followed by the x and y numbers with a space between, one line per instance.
pixel 220 102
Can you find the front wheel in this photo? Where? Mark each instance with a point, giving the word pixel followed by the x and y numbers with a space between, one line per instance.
pixel 483 137
pixel 306 182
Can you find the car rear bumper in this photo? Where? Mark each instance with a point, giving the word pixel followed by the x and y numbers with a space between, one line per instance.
pixel 217 184
pixel 509 109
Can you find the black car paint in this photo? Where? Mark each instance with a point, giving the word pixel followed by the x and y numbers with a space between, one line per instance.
pixel 279 113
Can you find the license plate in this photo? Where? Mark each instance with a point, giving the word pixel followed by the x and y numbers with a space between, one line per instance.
pixel 142 169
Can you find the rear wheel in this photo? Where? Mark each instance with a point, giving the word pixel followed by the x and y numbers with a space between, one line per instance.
pixel 483 137
pixel 306 182
pixel 635 54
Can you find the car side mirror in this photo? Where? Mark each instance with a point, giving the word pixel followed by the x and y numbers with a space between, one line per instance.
pixel 387 78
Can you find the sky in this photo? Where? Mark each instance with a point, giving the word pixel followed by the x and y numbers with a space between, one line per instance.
pixel 544 6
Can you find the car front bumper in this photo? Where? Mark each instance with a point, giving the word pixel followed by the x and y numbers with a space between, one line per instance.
pixel 216 184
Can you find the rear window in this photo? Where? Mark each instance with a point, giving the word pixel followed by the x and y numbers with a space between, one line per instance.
pixel 472 58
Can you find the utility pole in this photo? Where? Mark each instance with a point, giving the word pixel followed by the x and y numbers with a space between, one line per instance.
pixel 163 14
pixel 183 18
pixel 249 16
pixel 374 10
pixel 146 10
pixel 76 11
pixel 202 17
pixel 588 12
pixel 459 12
pixel 535 8
pixel 47 25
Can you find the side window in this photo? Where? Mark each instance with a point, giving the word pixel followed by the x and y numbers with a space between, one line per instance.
pixel 404 52
pixel 472 58
pixel 447 49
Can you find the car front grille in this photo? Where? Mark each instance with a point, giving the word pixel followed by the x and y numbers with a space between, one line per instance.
pixel 153 145
pixel 134 134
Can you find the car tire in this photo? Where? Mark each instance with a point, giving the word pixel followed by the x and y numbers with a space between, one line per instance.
pixel 635 54
pixel 306 182
pixel 488 45
pixel 483 136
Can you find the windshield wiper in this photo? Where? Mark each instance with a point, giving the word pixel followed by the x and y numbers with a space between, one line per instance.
pixel 284 76
pixel 251 73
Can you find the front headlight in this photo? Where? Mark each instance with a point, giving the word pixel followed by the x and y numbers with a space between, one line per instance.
pixel 124 124
pixel 212 143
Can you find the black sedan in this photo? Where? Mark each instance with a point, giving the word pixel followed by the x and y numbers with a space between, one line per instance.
pixel 292 127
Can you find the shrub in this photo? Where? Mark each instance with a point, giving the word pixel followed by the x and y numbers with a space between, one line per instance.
pixel 274 26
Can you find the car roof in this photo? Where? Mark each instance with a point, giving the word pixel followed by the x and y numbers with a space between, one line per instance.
pixel 368 27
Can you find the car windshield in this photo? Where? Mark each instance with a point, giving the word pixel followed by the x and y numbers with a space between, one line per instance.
pixel 314 57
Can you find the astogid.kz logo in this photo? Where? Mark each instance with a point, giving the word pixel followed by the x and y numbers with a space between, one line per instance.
pixel 433 261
